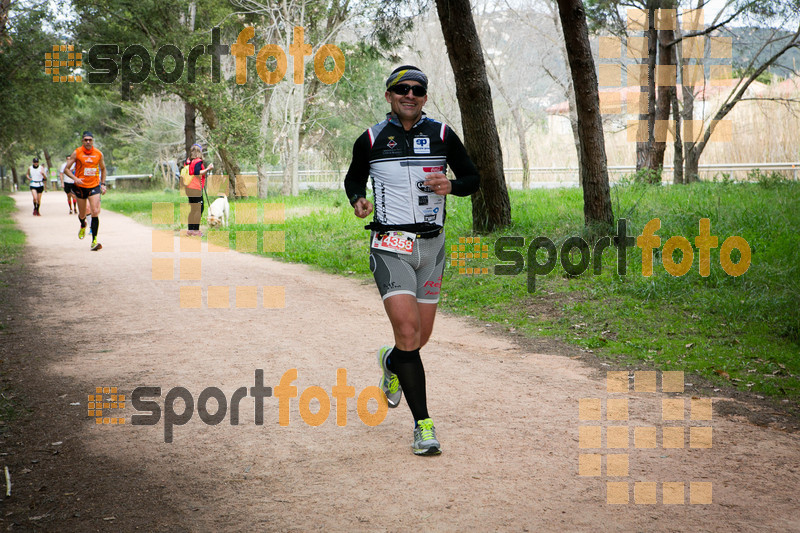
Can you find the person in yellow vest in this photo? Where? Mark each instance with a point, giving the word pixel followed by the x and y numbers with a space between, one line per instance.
pixel 90 184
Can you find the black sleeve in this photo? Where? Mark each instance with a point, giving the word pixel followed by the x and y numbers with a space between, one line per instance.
pixel 355 182
pixel 467 179
pixel 198 167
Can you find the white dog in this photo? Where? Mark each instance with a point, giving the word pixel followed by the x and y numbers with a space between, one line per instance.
pixel 219 212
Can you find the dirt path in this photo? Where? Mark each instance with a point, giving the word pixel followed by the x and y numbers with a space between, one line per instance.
pixel 508 419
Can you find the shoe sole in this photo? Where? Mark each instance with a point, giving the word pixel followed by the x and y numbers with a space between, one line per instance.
pixel 97 248
pixel 427 451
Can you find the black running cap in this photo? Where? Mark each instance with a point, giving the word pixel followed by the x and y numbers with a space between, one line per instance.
pixel 87 134
pixel 35 159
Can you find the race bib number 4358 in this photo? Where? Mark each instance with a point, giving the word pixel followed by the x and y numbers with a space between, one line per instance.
pixel 400 242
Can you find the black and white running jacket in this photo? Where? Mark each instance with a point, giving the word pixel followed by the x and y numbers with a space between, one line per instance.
pixel 398 161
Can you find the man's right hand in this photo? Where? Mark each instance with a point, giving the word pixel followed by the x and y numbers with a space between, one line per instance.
pixel 362 208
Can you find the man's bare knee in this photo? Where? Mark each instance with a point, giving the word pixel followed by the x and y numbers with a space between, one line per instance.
pixel 407 334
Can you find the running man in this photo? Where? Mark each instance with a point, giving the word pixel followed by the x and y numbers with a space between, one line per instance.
pixel 407 156
pixel 90 184
pixel 37 176
pixel 69 186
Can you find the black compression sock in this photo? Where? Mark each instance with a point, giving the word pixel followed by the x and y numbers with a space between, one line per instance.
pixel 95 226
pixel 83 221
pixel 411 374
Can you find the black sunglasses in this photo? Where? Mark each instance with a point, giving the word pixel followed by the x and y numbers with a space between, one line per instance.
pixel 403 88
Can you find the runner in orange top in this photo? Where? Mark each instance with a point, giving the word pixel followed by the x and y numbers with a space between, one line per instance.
pixel 90 184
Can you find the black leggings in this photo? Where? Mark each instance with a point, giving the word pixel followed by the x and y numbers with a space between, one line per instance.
pixel 195 210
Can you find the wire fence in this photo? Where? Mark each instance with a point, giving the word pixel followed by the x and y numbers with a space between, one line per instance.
pixel 540 177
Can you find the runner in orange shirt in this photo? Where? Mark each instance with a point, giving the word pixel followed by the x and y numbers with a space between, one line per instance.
pixel 90 184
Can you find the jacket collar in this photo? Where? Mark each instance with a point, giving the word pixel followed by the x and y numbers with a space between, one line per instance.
pixel 392 119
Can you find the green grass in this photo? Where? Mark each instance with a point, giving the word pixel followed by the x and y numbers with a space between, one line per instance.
pixel 12 242
pixel 11 239
pixel 734 331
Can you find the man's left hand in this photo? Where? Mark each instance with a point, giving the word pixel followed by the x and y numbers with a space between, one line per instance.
pixel 439 183
pixel 362 208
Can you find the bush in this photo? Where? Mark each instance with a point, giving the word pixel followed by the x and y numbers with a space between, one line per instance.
pixel 648 175
pixel 768 181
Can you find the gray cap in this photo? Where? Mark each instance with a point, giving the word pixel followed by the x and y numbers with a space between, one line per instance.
pixel 407 73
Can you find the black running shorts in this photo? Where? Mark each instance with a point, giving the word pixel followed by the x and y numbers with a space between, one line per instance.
pixel 83 193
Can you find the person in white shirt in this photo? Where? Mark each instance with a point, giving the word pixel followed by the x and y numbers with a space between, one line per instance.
pixel 69 187
pixel 37 177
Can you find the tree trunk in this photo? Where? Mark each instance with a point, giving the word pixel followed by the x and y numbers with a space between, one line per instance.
pixel 732 99
pixel 15 176
pixel 49 162
pixel 519 126
pixel 189 112
pixel 291 172
pixel 189 126
pixel 678 177
pixel 570 90
pixel 690 160
pixel 666 94
pixel 573 124
pixel 263 179
pixel 491 208
pixel 598 215
pixel 5 7
pixel 228 161
pixel 235 189
pixel 523 147
pixel 692 163
pixel 677 164
pixel 644 150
